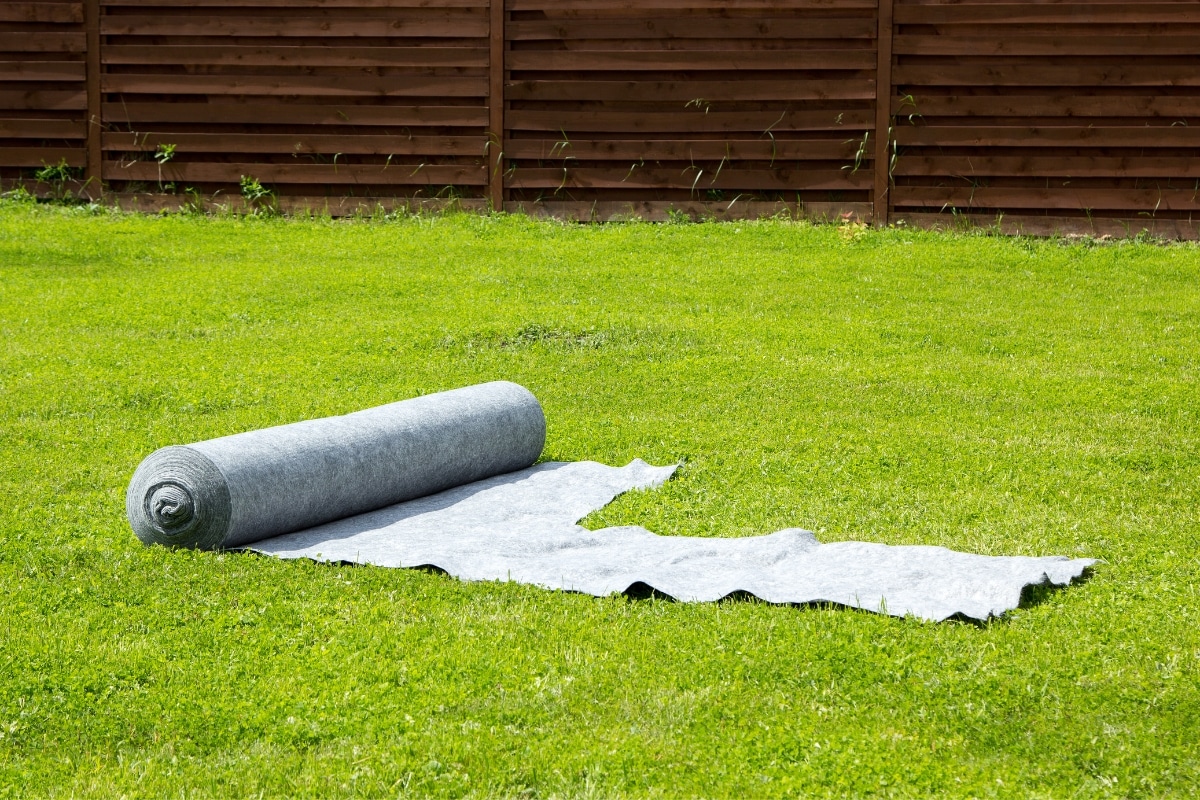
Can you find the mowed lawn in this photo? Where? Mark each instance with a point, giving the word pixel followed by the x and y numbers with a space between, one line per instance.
pixel 1002 396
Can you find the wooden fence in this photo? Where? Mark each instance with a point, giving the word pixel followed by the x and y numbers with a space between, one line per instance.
pixel 1038 116
pixel 43 86
pixel 1059 114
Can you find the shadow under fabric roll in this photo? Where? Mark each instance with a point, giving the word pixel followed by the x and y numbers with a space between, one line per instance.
pixel 238 489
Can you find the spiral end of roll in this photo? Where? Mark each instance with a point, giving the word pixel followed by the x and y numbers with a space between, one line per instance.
pixel 179 498
pixel 171 507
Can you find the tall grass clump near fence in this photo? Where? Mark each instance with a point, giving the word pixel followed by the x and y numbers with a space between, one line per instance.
pixel 1003 396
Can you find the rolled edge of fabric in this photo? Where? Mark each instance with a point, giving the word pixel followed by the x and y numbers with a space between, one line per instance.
pixel 178 497
pixel 249 486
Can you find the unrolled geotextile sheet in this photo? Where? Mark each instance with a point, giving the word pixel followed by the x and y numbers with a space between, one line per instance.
pixel 449 481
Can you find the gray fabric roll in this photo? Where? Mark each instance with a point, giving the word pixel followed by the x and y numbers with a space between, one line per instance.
pixel 237 489
pixel 446 481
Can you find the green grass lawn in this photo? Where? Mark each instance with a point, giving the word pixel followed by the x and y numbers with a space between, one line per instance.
pixel 1002 396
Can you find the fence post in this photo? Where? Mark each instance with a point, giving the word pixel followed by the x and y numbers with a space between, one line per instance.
pixel 495 136
pixel 881 198
pixel 95 153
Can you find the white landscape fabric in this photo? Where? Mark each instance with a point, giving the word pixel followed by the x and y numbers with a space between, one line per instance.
pixel 449 481
pixel 522 527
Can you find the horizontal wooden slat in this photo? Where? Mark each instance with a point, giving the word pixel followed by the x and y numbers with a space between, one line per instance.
pixel 41 129
pixel 722 60
pixel 1072 135
pixel 704 91
pixel 992 31
pixel 1082 43
pixel 12 11
pixel 1067 197
pixel 761 149
pixel 1063 106
pixel 327 174
pixel 292 4
pixel 661 211
pixel 42 70
pixel 297 144
pixel 1030 225
pixel 298 56
pixel 339 206
pixel 292 114
pixel 312 86
pixel 635 6
pixel 999 74
pixel 667 28
pixel 1042 166
pixel 695 121
pixel 1046 13
pixel 634 176
pixel 43 100
pixel 432 23
pixel 724 47
pixel 41 156
pixel 42 42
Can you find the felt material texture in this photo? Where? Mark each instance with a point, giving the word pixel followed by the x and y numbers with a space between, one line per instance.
pixel 448 481
pixel 249 486
pixel 521 527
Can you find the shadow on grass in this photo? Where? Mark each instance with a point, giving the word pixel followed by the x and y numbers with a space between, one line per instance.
pixel 1035 594
pixel 1032 595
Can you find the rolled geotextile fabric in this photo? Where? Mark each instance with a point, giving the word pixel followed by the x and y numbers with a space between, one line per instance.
pixel 246 487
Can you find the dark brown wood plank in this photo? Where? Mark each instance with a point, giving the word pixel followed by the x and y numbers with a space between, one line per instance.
pixel 294 144
pixel 665 28
pixel 95 117
pixel 41 156
pixel 707 91
pixel 41 129
pixel 1061 104
pixel 992 31
pixel 883 119
pixel 1065 136
pixel 497 103
pixel 43 100
pixel 293 114
pixel 1134 201
pixel 635 176
pixel 713 60
pixel 760 149
pixel 1036 167
pixel 299 56
pixel 327 174
pixel 635 6
pixel 1026 75
pixel 30 70
pixel 1030 225
pixel 42 42
pixel 295 4
pixel 311 86
pixel 853 122
pixel 437 24
pixel 12 11
pixel 1081 43
pixel 287 203
pixel 1047 13
pixel 663 210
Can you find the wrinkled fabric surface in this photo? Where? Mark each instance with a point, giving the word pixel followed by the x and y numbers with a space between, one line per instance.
pixel 522 527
